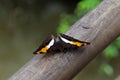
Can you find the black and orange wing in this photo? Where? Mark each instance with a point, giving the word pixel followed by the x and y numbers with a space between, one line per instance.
pixel 70 42
pixel 46 45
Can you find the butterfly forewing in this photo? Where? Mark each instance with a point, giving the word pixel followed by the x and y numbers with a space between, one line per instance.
pixel 70 42
pixel 46 45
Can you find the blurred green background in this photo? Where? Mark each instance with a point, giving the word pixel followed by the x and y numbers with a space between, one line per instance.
pixel 24 24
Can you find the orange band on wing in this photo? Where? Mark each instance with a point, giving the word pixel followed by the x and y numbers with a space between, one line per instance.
pixel 77 43
pixel 43 50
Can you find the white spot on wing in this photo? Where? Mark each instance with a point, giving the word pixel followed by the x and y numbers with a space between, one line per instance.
pixel 51 43
pixel 65 40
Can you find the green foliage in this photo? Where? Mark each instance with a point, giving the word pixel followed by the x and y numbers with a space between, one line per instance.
pixel 111 52
pixel 106 69
pixel 66 21
pixel 88 4
pixel 117 42
pixel 82 8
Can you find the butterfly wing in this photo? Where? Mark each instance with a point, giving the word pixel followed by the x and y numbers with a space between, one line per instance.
pixel 46 45
pixel 71 43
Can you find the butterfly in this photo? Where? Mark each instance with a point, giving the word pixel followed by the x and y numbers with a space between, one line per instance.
pixel 62 43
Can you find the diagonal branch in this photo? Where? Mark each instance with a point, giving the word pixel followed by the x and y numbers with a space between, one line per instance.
pixel 101 26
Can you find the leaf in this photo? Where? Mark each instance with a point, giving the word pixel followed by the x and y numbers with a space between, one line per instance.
pixel 111 52
pixel 66 21
pixel 117 42
pixel 88 4
pixel 106 69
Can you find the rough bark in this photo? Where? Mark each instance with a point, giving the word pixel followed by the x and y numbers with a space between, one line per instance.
pixel 118 78
pixel 100 27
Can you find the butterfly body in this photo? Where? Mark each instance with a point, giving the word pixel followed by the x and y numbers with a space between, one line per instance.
pixel 62 43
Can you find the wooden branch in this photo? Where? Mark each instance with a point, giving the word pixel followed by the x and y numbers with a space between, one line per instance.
pixel 118 78
pixel 101 26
